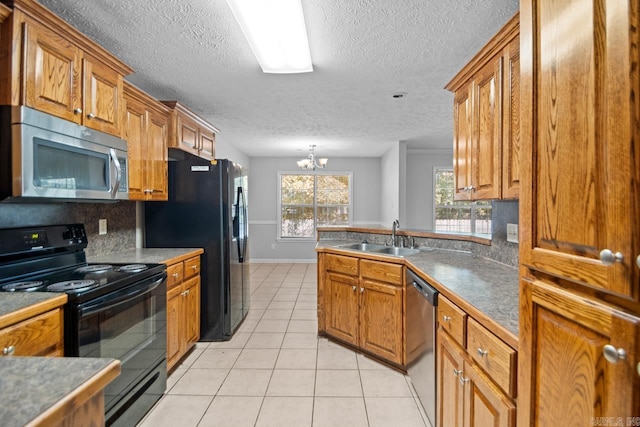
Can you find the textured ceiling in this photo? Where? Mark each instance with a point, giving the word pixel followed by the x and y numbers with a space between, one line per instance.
pixel 363 51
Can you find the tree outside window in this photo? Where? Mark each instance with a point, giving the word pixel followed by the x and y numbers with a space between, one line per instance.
pixel 457 216
pixel 308 201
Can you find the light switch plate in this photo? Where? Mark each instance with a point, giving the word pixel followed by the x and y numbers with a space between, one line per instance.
pixel 102 226
pixel 512 233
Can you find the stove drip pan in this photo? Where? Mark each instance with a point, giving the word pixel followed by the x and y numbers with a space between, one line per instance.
pixel 73 286
pixel 29 286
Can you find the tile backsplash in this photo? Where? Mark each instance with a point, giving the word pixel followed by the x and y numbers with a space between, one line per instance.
pixel 120 216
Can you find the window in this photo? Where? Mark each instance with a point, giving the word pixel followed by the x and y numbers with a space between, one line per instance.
pixel 307 201
pixel 459 217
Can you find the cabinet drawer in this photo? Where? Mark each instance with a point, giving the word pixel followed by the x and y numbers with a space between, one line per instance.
pixel 382 271
pixel 192 267
pixel 175 274
pixel 38 336
pixel 452 319
pixel 496 358
pixel 342 264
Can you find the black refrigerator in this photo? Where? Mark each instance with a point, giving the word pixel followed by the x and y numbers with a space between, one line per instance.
pixel 207 208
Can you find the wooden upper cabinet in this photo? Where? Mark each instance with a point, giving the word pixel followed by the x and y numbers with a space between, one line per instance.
pixel 190 133
pixel 583 359
pixel 53 68
pixel 485 130
pixel 511 120
pixel 146 131
pixel 580 142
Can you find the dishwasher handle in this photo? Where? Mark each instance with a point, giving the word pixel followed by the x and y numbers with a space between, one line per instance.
pixel 429 292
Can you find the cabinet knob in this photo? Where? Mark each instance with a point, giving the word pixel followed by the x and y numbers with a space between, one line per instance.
pixel 354 288
pixel 472 188
pixel 175 275
pixel 638 261
pixel 638 368
pixel 612 354
pixel 446 318
pixel 78 111
pixel 482 353
pixel 187 292
pixel 361 290
pixel 608 257
pixel 463 380
pixel 456 372
pixel 91 116
pixel 8 351
pixel 194 267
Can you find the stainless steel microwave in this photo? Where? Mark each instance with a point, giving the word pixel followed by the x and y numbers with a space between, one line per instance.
pixel 45 157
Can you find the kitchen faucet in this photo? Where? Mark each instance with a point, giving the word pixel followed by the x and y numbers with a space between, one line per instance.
pixel 396 225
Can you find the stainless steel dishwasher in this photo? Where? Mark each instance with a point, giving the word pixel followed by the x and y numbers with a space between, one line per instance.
pixel 422 300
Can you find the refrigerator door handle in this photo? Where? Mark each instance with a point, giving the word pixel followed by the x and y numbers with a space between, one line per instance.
pixel 245 226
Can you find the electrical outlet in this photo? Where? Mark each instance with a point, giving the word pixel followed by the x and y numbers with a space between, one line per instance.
pixel 273 246
pixel 512 233
pixel 102 226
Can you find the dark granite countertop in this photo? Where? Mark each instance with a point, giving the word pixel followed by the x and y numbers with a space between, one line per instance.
pixel 486 289
pixel 147 255
pixel 31 386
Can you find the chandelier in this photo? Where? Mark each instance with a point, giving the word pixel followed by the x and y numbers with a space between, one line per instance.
pixel 311 162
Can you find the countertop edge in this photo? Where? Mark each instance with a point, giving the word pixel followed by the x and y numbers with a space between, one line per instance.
pixel 486 321
pixel 183 257
pixel 412 233
pixel 165 256
pixel 35 309
pixel 76 398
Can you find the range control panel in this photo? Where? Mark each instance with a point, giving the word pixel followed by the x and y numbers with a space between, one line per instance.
pixel 15 241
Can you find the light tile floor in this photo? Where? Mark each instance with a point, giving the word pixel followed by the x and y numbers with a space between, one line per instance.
pixel 275 371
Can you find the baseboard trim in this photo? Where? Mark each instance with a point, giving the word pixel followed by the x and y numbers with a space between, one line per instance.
pixel 284 261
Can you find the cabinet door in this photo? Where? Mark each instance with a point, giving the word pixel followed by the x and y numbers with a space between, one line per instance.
pixel 341 294
pixel 511 121
pixel 52 73
pixel 207 143
pixel 174 310
pixel 486 163
pixel 191 311
pixel 462 147
pixel 135 133
pixel 485 405
pixel 564 377
pixel 450 366
pixel 580 136
pixel 187 135
pixel 157 136
pixel 102 97
pixel 381 331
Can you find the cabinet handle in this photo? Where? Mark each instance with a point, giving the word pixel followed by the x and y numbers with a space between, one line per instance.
pixel 91 116
pixel 463 380
pixel 612 354
pixel 608 257
pixel 472 188
pixel 194 267
pixel 78 111
pixel 456 372
pixel 446 318
pixel 361 290
pixel 638 261
pixel 354 288
pixel 8 351
pixel 482 353
pixel 638 368
pixel 175 275
pixel 187 292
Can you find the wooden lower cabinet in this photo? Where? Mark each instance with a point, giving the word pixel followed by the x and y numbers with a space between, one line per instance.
pixel 585 359
pixel 365 310
pixel 467 397
pixel 40 335
pixel 183 308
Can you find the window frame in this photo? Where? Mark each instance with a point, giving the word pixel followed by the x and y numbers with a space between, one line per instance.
pixel 473 206
pixel 279 237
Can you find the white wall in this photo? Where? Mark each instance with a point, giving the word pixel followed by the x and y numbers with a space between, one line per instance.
pixel 228 151
pixel 263 191
pixel 393 186
pixel 419 206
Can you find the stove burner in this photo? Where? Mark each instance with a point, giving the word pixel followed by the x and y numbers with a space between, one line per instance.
pixel 133 268
pixel 72 285
pixel 22 286
pixel 100 268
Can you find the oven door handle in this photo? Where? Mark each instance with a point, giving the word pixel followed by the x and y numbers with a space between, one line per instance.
pixel 131 294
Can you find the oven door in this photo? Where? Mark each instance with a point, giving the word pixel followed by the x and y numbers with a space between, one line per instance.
pixel 128 325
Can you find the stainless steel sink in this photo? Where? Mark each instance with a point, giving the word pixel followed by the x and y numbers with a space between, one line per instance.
pixel 365 247
pixel 395 251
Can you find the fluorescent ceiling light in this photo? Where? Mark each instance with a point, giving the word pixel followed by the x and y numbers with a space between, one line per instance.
pixel 276 33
